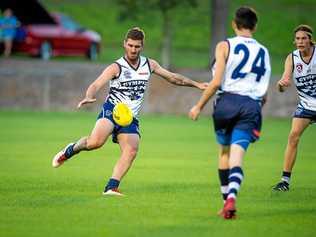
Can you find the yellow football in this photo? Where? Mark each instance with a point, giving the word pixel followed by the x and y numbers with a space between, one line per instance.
pixel 122 114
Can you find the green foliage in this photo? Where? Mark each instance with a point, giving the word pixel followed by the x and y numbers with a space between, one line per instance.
pixel 171 190
pixel 277 19
pixel 191 27
pixel 132 9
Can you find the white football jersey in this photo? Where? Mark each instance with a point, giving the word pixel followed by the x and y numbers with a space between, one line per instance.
pixel 248 68
pixel 130 85
pixel 304 77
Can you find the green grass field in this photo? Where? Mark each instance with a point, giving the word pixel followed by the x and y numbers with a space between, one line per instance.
pixel 172 189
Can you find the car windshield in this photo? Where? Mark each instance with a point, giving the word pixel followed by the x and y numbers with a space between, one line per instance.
pixel 69 24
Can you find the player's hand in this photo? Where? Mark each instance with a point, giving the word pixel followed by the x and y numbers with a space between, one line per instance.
pixel 282 84
pixel 86 101
pixel 203 85
pixel 194 113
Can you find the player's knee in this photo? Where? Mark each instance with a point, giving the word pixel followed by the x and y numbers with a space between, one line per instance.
pixel 93 144
pixel 132 152
pixel 294 138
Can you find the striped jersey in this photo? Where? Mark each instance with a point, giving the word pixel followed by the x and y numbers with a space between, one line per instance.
pixel 304 77
pixel 248 69
pixel 130 85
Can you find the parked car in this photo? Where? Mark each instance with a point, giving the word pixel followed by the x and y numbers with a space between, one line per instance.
pixel 65 37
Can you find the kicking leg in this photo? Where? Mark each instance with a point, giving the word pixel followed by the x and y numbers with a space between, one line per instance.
pixel 103 128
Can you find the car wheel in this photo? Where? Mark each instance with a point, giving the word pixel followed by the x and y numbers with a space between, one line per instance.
pixel 93 52
pixel 46 51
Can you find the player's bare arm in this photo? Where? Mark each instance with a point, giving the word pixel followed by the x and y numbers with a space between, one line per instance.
pixel 175 78
pixel 108 73
pixel 221 53
pixel 287 74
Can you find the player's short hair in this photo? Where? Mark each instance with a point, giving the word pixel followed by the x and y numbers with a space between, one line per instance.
pixel 246 18
pixel 135 33
pixel 307 29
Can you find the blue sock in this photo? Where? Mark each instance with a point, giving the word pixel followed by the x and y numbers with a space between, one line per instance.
pixel 113 183
pixel 70 151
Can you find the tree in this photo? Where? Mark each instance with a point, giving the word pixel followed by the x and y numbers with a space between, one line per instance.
pixel 219 20
pixel 131 9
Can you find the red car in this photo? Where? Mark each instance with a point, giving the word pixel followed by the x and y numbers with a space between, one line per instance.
pixel 63 36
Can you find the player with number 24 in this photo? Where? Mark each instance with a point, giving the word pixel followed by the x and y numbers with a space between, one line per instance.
pixel 240 80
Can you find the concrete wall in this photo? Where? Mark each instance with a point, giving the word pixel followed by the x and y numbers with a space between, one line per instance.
pixel 59 86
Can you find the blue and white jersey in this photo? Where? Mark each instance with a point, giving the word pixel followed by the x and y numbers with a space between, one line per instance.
pixel 130 85
pixel 248 69
pixel 304 77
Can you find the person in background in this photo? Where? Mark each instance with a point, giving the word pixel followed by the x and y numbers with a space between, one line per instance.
pixel 8 25
pixel 299 67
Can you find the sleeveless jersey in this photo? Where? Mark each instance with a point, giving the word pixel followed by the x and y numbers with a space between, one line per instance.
pixel 248 69
pixel 130 85
pixel 304 77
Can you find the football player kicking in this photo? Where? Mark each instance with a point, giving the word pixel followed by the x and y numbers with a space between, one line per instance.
pixel 241 77
pixel 300 65
pixel 128 78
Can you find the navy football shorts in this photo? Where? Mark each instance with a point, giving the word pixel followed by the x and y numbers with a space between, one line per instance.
pixel 107 111
pixel 305 113
pixel 237 119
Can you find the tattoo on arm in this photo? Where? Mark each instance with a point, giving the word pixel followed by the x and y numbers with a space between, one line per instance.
pixel 181 80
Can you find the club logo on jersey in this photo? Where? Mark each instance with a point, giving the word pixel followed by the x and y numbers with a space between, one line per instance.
pixel 127 74
pixel 299 67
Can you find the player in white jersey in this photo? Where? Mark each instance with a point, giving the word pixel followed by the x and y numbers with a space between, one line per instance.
pixel 241 77
pixel 300 66
pixel 128 78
